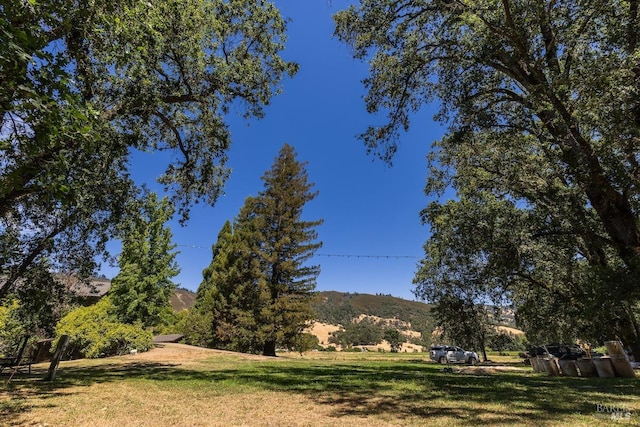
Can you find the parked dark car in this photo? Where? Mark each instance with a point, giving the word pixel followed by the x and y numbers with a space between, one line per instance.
pixel 561 351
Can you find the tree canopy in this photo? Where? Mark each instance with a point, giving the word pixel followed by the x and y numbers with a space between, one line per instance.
pixel 140 291
pixel 541 103
pixel 86 84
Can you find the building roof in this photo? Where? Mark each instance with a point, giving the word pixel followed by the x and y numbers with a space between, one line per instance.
pixel 167 338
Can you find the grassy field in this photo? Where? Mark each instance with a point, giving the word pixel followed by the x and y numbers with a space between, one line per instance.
pixel 180 385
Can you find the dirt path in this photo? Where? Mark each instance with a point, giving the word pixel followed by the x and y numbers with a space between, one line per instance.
pixel 172 352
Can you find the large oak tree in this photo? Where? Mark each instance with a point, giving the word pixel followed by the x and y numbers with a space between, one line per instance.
pixel 543 114
pixel 86 84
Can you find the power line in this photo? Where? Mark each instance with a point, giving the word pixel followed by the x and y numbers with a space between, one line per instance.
pixel 332 255
pixel 193 246
pixel 369 256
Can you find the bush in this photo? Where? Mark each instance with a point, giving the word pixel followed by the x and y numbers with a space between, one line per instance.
pixel 362 333
pixel 12 331
pixel 303 342
pixel 94 332
pixel 196 326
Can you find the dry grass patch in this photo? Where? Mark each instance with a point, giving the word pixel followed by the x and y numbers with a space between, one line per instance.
pixel 322 331
pixel 182 385
pixel 147 404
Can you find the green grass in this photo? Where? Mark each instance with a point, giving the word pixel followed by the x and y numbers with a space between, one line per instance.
pixel 342 388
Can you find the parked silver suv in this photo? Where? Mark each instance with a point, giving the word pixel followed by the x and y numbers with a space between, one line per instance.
pixel 451 354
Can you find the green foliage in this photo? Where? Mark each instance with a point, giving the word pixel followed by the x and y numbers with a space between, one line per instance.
pixel 505 341
pixel 395 339
pixel 141 290
pixel 43 299
pixel 88 84
pixel 95 332
pixel 365 332
pixel 33 309
pixel 196 326
pixel 541 103
pixel 304 342
pixel 12 331
pixel 285 243
pixel 257 291
pixel 170 323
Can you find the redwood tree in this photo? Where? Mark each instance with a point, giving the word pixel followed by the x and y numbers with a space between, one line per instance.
pixel 257 290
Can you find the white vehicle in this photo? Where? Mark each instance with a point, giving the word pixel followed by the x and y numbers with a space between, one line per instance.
pixel 450 354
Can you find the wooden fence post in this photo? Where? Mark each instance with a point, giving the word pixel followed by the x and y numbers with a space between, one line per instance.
pixel 57 356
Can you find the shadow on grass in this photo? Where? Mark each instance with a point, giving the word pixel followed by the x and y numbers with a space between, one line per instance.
pixel 400 389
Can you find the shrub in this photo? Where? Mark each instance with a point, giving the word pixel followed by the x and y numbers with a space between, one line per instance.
pixel 11 330
pixel 196 326
pixel 94 332
pixel 303 342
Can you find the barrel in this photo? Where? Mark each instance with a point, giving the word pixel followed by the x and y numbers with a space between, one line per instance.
pixel 586 368
pixel 568 368
pixel 604 367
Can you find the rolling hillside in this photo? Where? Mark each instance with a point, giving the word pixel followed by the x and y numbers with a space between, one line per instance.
pixel 341 308
pixel 335 309
pixel 183 299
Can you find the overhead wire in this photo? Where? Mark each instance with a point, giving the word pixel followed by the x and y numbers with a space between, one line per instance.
pixel 329 255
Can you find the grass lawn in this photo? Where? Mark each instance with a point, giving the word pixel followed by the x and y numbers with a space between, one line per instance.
pixel 178 385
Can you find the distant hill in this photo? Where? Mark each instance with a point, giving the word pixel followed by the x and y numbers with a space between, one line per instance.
pixel 340 308
pixel 182 299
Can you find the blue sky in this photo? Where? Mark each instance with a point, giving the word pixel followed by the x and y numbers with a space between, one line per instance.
pixel 369 208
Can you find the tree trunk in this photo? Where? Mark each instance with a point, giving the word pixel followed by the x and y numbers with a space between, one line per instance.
pixel 631 333
pixel 269 349
pixel 483 347
pixel 57 357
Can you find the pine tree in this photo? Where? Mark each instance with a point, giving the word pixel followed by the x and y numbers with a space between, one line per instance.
pixel 251 293
pixel 141 290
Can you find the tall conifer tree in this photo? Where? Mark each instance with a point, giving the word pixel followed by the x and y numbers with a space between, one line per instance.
pixel 287 243
pixel 257 290
pixel 141 290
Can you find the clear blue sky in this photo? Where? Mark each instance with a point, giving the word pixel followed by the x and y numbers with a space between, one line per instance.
pixel 368 207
